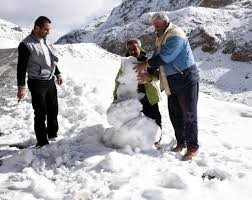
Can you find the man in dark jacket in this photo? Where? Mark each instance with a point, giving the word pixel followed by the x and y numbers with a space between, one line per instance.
pixel 37 60
pixel 179 78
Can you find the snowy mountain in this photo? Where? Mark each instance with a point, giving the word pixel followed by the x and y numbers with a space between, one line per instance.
pixel 11 34
pixel 80 166
pixel 211 24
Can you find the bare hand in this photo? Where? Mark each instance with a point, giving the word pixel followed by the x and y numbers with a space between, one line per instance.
pixel 20 94
pixel 59 80
pixel 144 77
pixel 115 99
pixel 141 66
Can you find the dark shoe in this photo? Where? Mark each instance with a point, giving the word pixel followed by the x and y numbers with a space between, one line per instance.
pixel 191 151
pixel 178 148
pixel 52 137
pixel 39 145
pixel 157 145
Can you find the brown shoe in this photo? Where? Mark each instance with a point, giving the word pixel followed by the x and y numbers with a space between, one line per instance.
pixel 190 153
pixel 178 148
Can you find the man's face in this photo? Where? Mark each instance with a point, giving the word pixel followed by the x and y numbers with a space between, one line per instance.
pixel 134 50
pixel 160 27
pixel 44 30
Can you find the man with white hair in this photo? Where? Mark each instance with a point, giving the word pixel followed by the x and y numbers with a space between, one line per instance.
pixel 179 78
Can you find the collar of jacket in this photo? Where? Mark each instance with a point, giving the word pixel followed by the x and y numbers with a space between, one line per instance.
pixel 35 38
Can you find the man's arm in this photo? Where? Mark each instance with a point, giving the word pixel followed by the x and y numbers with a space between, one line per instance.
pixel 59 80
pixel 169 51
pixel 57 72
pixel 23 57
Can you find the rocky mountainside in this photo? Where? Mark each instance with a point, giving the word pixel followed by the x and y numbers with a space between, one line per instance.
pixel 210 24
pixel 11 34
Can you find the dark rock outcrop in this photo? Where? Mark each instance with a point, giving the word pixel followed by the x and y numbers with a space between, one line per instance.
pixel 215 3
pixel 243 53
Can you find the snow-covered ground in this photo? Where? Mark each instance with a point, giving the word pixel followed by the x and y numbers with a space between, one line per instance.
pixel 225 79
pixel 11 34
pixel 79 166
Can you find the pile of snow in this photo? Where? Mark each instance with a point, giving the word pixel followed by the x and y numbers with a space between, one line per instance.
pixel 128 79
pixel 11 35
pixel 123 111
pixel 130 127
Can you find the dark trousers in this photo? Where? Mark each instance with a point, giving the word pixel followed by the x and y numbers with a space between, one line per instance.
pixel 45 105
pixel 151 111
pixel 183 115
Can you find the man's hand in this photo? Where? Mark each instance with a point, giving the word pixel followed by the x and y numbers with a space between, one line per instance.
pixel 141 66
pixel 20 94
pixel 115 99
pixel 144 77
pixel 59 80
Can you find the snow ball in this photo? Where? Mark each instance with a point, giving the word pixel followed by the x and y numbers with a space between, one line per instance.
pixel 122 111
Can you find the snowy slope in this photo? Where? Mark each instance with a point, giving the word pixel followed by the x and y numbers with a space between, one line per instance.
pixel 223 78
pixel 80 166
pixel 124 14
pixel 11 34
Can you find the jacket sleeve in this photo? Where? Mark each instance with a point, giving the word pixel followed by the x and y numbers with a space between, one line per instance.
pixel 169 52
pixel 117 83
pixel 155 62
pixel 172 49
pixel 23 57
pixel 57 72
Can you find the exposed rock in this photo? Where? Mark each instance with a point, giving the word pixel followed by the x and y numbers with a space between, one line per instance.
pixel 229 47
pixel 148 41
pixel 200 37
pixel 195 37
pixel 17 28
pixel 215 3
pixel 243 53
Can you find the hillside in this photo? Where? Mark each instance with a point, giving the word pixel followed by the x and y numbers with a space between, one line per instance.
pixel 11 34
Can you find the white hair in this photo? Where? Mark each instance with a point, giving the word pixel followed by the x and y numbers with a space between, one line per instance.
pixel 159 16
pixel 134 41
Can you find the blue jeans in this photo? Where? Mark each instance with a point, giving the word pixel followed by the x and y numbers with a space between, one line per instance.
pixel 183 115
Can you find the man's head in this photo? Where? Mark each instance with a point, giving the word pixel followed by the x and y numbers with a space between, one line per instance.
pixel 134 47
pixel 42 27
pixel 160 21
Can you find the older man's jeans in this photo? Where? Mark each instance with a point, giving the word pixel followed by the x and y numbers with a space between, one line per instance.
pixel 183 115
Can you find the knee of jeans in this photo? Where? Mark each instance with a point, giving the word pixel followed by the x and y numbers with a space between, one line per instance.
pixel 39 116
pixel 191 117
